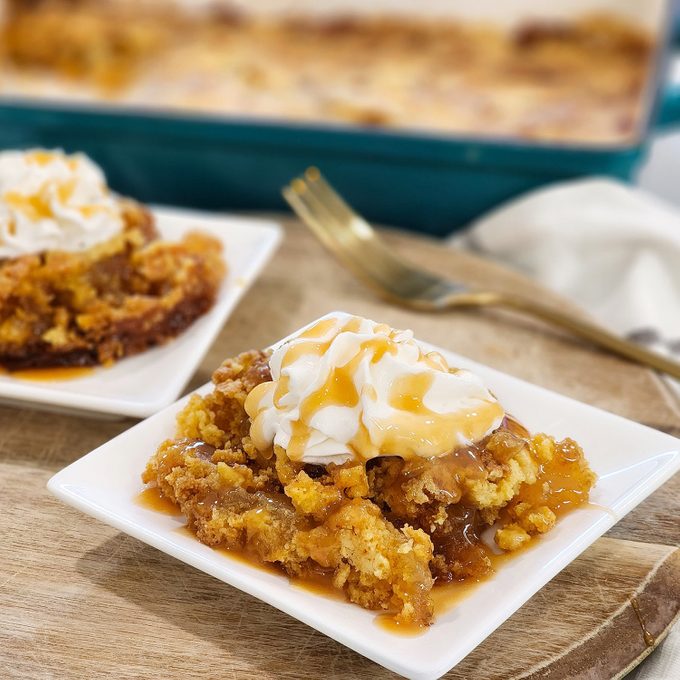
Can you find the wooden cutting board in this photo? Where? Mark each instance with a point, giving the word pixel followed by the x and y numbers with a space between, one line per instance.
pixel 80 600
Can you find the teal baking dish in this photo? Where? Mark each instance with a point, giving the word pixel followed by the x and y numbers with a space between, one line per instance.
pixel 423 182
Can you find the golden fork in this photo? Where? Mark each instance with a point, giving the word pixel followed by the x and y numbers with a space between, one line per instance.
pixel 356 244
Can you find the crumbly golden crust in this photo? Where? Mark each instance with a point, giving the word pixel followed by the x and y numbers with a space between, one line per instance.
pixel 118 298
pixel 579 80
pixel 384 533
pixel 101 40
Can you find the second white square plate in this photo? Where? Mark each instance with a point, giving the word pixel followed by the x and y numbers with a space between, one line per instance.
pixel 145 383
pixel 631 462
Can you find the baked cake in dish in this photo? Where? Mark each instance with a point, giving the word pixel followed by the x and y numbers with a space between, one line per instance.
pixel 569 80
pixel 352 453
pixel 85 278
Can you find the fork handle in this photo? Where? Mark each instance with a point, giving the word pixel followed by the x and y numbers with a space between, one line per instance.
pixel 579 327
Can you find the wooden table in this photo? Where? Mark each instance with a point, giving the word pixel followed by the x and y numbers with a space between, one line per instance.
pixel 80 600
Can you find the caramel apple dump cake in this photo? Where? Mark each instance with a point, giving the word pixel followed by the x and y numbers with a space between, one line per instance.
pixel 578 80
pixel 84 277
pixel 350 451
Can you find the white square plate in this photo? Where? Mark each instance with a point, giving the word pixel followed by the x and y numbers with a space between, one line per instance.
pixel 145 383
pixel 631 461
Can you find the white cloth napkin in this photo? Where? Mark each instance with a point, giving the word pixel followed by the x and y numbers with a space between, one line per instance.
pixel 613 249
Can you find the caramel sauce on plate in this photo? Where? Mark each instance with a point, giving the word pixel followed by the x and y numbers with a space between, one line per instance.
pixel 185 531
pixel 446 596
pixel 151 499
pixel 389 624
pixel 562 483
pixel 244 558
pixel 50 374
pixel 319 584
pixel 649 639
pixel 235 555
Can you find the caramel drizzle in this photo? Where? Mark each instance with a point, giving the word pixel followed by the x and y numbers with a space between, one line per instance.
pixel 649 639
pixel 37 206
pixel 339 388
pixel 34 206
pixel 418 431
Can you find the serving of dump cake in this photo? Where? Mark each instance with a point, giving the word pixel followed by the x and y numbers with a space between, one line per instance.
pixel 573 80
pixel 353 453
pixel 85 278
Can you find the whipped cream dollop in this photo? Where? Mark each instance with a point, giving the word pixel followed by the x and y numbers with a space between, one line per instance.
pixel 349 388
pixel 53 201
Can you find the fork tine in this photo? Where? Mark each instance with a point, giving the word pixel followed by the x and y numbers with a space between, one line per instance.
pixel 335 202
pixel 325 220
pixel 324 223
pixel 353 240
pixel 360 227
pixel 374 250
pixel 326 230
pixel 298 198
pixel 316 183
pixel 343 243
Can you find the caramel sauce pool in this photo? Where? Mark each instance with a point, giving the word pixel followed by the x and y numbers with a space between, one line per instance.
pixel 50 374
pixel 447 596
pixel 319 584
pixel 151 499
pixel 560 485
pixel 649 639
pixel 244 558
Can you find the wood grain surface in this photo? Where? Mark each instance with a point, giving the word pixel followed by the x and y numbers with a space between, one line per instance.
pixel 80 600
